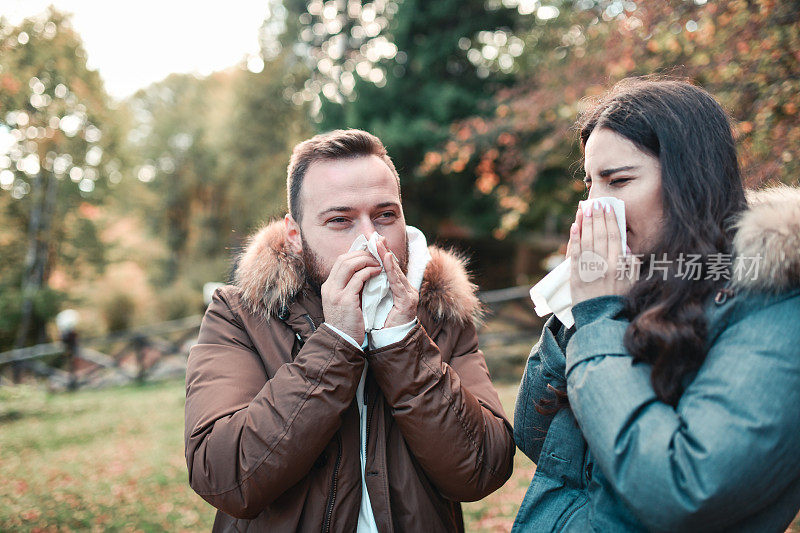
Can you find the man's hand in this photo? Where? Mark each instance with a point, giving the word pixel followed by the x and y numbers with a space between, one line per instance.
pixel 341 292
pixel 404 295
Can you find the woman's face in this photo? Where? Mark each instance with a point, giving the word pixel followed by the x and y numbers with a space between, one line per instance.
pixel 616 167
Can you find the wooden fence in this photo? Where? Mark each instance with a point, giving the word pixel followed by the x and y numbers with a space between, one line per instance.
pixel 133 355
pixel 160 350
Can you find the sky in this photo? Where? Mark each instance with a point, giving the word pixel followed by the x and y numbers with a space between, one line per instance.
pixel 133 44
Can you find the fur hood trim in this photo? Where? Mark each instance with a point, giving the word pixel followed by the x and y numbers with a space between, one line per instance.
pixel 769 230
pixel 269 276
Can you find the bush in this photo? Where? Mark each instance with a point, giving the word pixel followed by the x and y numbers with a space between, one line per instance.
pixel 180 300
pixel 118 311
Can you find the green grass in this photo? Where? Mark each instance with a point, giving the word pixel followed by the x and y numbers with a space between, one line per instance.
pixel 96 460
pixel 112 460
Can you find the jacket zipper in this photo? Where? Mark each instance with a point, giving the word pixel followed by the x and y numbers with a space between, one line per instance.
pixel 310 322
pixel 369 417
pixel 326 526
pixel 366 406
pixel 573 511
pixel 299 337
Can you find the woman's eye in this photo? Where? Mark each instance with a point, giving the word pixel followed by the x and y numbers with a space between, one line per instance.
pixel 587 182
pixel 619 181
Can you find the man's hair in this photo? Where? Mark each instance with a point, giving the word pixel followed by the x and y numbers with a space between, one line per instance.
pixel 330 146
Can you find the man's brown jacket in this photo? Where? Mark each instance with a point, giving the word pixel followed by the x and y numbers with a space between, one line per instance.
pixel 272 426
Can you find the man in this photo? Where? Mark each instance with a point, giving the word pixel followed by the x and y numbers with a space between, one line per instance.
pixel 292 424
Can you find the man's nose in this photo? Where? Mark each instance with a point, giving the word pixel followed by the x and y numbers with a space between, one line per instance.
pixel 366 226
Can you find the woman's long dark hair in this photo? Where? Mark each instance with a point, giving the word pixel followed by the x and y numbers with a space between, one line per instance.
pixel 702 193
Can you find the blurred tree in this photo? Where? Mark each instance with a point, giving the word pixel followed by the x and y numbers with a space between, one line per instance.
pixel 269 117
pixel 519 159
pixel 524 156
pixel 405 71
pixel 58 158
pixel 265 127
pixel 213 152
pixel 180 126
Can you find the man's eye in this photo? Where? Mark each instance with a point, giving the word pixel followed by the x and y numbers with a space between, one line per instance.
pixel 387 217
pixel 337 220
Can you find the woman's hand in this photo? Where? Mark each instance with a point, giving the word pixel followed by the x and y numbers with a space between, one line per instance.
pixel 595 250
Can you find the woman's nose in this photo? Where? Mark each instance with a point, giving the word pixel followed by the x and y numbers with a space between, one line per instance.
pixel 598 191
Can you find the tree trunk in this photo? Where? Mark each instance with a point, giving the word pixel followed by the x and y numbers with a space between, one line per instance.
pixel 35 258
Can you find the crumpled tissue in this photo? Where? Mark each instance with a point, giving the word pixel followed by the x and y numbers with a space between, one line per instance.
pixel 376 297
pixel 552 294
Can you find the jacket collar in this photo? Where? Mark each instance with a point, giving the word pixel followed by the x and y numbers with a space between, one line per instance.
pixel 769 230
pixel 271 277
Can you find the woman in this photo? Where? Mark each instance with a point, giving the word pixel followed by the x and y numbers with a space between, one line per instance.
pixel 673 403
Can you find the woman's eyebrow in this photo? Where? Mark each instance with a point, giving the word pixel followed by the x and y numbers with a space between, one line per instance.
pixel 609 171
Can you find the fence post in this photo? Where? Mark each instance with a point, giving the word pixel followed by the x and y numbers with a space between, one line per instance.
pixel 139 343
pixel 70 340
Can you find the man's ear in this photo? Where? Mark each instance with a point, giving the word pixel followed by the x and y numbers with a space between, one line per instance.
pixel 293 234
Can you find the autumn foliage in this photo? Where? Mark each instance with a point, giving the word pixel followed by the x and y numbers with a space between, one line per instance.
pixel 526 157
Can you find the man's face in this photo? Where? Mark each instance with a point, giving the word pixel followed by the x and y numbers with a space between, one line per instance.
pixel 340 200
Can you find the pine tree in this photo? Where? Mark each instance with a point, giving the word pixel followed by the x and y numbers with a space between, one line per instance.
pixel 405 71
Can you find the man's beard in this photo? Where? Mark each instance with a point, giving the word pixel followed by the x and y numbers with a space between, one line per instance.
pixel 314 276
pixel 314 268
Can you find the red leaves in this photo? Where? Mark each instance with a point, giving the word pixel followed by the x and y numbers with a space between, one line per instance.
pixel 745 53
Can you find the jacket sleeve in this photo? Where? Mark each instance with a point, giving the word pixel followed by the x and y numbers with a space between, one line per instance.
pixel 249 438
pixel 730 447
pixel 449 414
pixel 545 367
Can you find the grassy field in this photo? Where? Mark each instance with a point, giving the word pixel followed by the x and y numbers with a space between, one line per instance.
pixel 96 460
pixel 113 460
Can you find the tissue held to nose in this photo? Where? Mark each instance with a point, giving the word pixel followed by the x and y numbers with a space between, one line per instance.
pixel 552 294
pixel 376 298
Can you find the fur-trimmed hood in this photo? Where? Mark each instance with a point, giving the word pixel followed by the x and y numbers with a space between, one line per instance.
pixel 269 276
pixel 769 231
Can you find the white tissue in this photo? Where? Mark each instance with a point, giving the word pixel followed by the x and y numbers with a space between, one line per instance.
pixel 551 294
pixel 376 297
